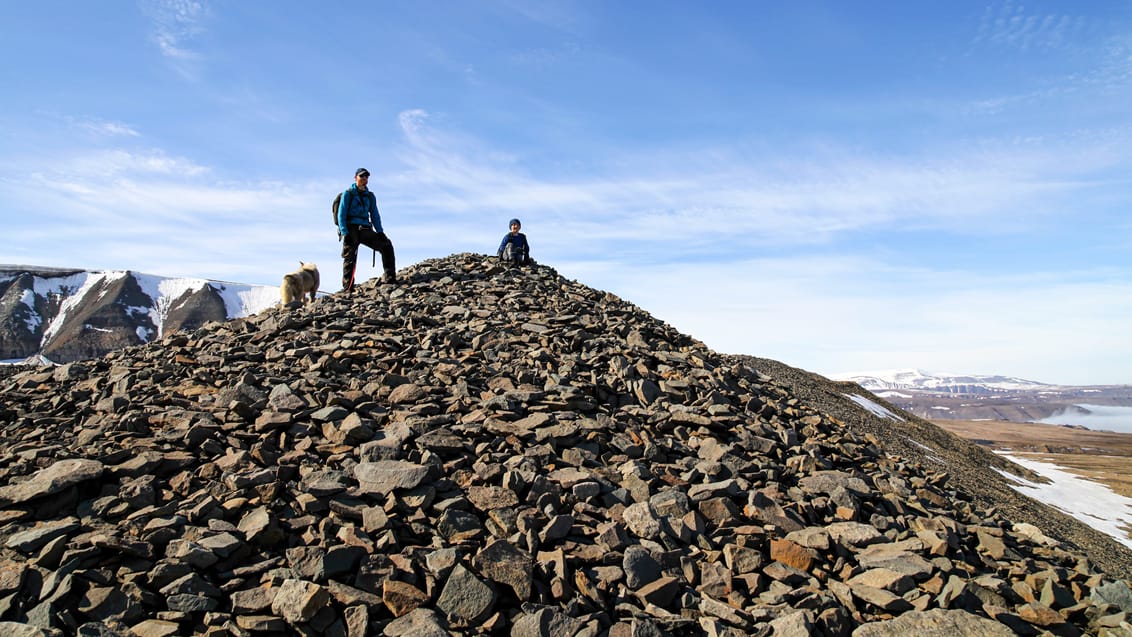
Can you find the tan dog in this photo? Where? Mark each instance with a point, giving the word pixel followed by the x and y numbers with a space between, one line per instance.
pixel 299 283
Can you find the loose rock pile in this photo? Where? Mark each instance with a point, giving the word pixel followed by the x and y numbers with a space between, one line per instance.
pixel 482 450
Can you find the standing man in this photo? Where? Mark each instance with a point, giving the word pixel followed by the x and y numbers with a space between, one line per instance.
pixel 360 223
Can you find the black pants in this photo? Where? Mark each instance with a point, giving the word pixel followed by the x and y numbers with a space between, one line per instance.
pixel 364 235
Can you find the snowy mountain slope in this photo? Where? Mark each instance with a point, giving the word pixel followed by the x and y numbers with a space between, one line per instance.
pixel 975 397
pixel 64 315
pixel 940 382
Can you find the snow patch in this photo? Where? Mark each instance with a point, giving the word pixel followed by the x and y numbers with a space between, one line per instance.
pixel 244 300
pixel 873 408
pixel 930 455
pixel 239 299
pixel 1090 502
pixel 34 320
pixel 72 288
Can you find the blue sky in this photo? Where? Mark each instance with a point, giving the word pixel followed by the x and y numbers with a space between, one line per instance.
pixel 839 186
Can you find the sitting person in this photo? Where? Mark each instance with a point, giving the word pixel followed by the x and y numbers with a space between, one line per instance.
pixel 514 248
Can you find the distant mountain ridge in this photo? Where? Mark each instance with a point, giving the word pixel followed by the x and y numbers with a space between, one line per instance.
pixel 979 397
pixel 64 314
pixel 947 383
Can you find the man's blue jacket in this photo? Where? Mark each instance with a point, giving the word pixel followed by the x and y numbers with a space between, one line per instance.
pixel 358 208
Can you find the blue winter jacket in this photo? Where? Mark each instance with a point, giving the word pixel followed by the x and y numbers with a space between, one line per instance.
pixel 519 245
pixel 358 208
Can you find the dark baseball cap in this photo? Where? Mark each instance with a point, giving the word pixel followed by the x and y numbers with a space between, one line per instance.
pixel 361 171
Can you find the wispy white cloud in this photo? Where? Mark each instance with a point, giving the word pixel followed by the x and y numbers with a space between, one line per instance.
pixel 174 26
pixel 1008 23
pixel 105 128
pixel 812 197
pixel 101 164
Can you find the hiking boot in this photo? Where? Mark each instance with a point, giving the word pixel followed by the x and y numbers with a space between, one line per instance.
pixel 389 278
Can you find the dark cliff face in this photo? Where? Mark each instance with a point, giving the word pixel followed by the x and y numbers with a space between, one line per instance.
pixel 481 450
pixel 110 315
pixel 194 309
pixel 21 325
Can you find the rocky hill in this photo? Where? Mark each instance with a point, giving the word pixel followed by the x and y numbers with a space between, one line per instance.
pixel 67 315
pixel 491 451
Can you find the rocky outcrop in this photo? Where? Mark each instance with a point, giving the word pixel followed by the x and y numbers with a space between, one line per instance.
pixel 24 315
pixel 482 450
pixel 69 315
pixel 194 308
pixel 112 317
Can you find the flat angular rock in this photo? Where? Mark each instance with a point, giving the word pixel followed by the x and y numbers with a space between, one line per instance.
pixel 796 624
pixel 854 533
pixel 502 562
pixel 639 566
pixel 486 498
pixel 1116 593
pixel 810 537
pixel 260 527
pixel 642 521
pixel 659 592
pixel 325 482
pixel 792 554
pixel 15 629
pixel 465 597
pixel 385 476
pixel 422 622
pixel 934 623
pixel 155 628
pixel 298 601
pixel 402 598
pixel 895 558
pixel 884 578
pixel 59 476
pixel 11 576
pixel 880 598
pixel 828 481
pixel 407 393
pixel 35 537
pixel 252 601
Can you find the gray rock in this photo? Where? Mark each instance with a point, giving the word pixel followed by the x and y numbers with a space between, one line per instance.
pixel 55 478
pixel 298 601
pixel 1116 593
pixel 642 521
pixel 796 624
pixel 465 597
pixel 34 538
pixel 385 476
pixel 639 566
pixel 934 623
pixel 16 629
pixel 422 622
pixel 854 533
pixel 502 562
